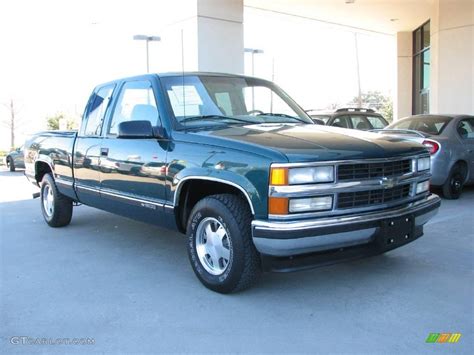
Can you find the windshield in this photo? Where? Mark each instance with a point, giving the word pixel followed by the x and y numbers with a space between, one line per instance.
pixel 432 125
pixel 208 99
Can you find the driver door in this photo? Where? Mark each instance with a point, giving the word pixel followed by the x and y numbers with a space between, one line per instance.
pixel 133 170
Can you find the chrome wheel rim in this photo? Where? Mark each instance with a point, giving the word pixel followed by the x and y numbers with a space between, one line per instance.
pixel 213 246
pixel 48 201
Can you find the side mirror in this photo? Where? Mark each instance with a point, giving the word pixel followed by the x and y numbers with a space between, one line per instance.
pixel 135 129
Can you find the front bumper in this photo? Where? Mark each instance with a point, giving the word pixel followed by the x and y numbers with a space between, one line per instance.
pixel 347 236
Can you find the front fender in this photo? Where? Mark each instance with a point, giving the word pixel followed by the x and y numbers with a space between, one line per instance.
pixel 223 176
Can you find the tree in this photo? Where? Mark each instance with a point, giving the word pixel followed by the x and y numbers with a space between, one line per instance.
pixel 11 122
pixel 378 101
pixel 53 122
pixel 387 111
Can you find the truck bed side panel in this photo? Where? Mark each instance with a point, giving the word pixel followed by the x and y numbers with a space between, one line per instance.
pixel 54 149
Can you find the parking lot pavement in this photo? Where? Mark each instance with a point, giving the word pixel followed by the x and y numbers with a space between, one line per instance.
pixel 129 286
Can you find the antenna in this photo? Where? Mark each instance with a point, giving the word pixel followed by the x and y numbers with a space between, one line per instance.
pixel 273 81
pixel 182 72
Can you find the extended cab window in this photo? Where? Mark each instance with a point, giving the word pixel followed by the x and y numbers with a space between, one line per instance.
pixel 96 111
pixel 135 103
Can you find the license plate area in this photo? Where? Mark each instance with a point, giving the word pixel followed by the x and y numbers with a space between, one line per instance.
pixel 397 231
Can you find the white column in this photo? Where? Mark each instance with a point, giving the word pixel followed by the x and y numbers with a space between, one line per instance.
pixel 221 35
pixel 452 57
pixel 403 101
pixel 213 37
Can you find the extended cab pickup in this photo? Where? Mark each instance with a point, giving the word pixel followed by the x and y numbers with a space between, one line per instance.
pixel 237 165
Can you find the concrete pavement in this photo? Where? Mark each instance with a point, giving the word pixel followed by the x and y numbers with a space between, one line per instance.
pixel 129 286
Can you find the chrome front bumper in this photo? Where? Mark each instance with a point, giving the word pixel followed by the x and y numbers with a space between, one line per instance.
pixel 288 238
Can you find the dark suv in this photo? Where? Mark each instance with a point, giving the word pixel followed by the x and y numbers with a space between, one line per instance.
pixel 356 118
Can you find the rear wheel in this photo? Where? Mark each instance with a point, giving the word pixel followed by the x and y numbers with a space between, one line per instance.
pixel 11 164
pixel 56 208
pixel 453 186
pixel 220 246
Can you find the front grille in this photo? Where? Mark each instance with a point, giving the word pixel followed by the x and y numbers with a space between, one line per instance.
pixel 373 170
pixel 372 197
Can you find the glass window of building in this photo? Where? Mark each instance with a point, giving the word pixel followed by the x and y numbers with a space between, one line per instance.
pixel 421 69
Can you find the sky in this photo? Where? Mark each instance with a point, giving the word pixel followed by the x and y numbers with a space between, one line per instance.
pixel 54 52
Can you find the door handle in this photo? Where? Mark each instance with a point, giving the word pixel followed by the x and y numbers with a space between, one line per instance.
pixel 104 152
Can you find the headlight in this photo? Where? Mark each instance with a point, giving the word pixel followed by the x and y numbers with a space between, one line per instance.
pixel 311 204
pixel 422 187
pixel 310 175
pixel 423 164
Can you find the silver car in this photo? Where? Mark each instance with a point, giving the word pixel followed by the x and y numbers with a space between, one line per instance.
pixel 450 141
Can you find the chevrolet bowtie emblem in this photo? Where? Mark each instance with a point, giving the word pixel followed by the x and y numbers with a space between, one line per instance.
pixel 387 183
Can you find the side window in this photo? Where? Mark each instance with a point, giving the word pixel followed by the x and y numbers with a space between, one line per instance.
pixel 341 121
pixel 135 103
pixel 466 129
pixel 360 122
pixel 376 122
pixel 96 111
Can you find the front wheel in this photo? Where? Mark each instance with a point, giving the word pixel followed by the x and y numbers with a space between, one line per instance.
pixel 453 186
pixel 56 208
pixel 220 246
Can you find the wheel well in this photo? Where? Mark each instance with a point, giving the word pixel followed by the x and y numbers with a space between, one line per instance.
pixel 41 168
pixel 465 168
pixel 193 191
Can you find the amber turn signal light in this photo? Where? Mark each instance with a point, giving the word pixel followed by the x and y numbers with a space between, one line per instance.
pixel 277 205
pixel 279 176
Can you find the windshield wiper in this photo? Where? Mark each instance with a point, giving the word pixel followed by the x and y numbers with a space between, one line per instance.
pixel 282 115
pixel 214 117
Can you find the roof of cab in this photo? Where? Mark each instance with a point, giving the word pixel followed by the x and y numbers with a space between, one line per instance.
pixel 174 74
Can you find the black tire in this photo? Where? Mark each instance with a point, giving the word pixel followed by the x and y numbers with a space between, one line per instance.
pixel 61 212
pixel 454 184
pixel 11 164
pixel 243 265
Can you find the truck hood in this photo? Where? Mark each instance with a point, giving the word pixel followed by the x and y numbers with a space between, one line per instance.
pixel 301 143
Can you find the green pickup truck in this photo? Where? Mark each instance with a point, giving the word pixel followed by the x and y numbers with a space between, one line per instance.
pixel 237 165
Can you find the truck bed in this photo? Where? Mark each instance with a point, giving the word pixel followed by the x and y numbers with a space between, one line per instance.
pixel 56 149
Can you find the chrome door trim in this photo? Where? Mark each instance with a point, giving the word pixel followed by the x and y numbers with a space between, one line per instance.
pixel 64 182
pixel 86 188
pixel 157 203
